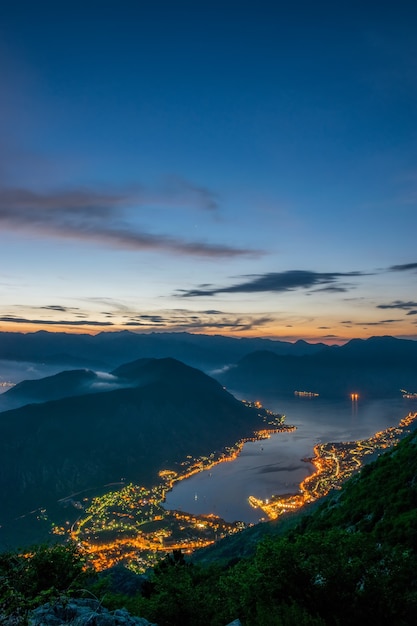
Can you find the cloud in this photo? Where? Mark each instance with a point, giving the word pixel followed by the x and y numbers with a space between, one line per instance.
pixel 169 320
pixel 59 308
pixel 22 320
pixel 333 289
pixel 373 323
pixel 275 282
pixel 403 268
pixel 195 322
pixel 398 304
pixel 145 320
pixel 87 215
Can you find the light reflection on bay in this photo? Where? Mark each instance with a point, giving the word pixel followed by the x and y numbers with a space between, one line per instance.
pixel 276 465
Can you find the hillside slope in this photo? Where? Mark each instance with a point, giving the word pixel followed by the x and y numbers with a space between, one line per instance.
pixel 52 449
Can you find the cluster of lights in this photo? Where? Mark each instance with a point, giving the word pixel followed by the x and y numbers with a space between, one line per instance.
pixel 334 463
pixel 131 525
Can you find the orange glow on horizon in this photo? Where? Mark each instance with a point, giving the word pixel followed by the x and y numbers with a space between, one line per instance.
pixel 309 335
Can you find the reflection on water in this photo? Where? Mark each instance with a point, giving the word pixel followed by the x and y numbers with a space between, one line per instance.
pixel 275 465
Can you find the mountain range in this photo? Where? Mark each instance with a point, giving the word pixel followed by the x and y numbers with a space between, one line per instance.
pixel 107 350
pixel 376 367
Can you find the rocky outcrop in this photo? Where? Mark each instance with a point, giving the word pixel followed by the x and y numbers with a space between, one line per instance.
pixel 86 612
pixel 82 612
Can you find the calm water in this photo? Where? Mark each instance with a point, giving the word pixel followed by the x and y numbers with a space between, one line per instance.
pixel 275 465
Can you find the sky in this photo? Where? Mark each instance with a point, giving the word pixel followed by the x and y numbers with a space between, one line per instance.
pixel 236 168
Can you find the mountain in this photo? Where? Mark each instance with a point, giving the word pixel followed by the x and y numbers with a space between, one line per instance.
pixel 109 349
pixel 81 382
pixel 379 366
pixel 62 385
pixel 169 410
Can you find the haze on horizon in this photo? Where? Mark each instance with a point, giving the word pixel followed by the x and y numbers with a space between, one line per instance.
pixel 212 167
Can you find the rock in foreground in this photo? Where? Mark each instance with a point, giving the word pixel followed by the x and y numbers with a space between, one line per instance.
pixel 82 612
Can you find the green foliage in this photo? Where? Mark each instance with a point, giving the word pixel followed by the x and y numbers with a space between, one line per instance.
pixel 39 575
pixel 181 593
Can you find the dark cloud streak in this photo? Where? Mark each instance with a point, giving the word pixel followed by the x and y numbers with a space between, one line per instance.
pixel 171 320
pixel 403 268
pixel 59 308
pixel 22 320
pixel 90 216
pixel 398 304
pixel 277 282
pixel 373 323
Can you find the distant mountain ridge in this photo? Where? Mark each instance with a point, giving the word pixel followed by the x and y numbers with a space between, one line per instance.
pixel 379 366
pixel 109 349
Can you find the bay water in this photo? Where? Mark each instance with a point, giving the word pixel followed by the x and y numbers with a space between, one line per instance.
pixel 279 464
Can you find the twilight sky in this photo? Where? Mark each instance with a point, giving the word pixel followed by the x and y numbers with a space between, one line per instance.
pixel 230 167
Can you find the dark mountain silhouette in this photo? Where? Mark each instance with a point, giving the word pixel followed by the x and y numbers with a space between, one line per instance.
pixel 62 385
pixel 53 449
pixel 379 366
pixel 80 382
pixel 108 350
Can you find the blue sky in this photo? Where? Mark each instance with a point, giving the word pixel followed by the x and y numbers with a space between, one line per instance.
pixel 217 167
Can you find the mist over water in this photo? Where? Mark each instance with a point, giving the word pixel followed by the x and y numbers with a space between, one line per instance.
pixel 275 465
pixel 16 371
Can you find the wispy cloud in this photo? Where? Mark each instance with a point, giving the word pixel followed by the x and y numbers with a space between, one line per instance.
pixel 40 322
pixel 277 282
pixel 59 308
pixel 186 320
pixel 169 320
pixel 87 215
pixel 372 323
pixel 333 289
pixel 399 304
pixel 403 268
